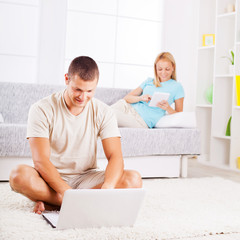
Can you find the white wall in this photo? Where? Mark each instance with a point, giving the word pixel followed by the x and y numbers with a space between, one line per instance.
pixel 19 31
pixel 51 47
pixel 180 38
pixel 38 43
pixel 123 36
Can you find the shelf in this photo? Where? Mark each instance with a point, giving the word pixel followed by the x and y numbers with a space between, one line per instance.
pixel 226 15
pixel 220 150
pixel 224 76
pixel 204 105
pixel 222 137
pixel 213 70
pixel 207 47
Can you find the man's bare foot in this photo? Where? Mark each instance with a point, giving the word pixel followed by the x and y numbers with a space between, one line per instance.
pixel 41 206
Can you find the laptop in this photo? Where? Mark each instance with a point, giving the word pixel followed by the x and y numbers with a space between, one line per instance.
pixel 87 208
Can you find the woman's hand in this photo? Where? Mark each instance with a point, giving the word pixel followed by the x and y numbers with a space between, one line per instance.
pixel 163 105
pixel 145 98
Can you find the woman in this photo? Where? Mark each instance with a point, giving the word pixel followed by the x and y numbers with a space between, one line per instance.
pixel 134 110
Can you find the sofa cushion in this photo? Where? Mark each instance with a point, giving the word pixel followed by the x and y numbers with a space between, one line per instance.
pixel 13 142
pixel 18 97
pixel 181 119
pixel 1 118
pixel 165 141
pixel 135 141
pixel 111 95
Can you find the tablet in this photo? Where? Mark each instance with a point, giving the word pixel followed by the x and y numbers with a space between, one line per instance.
pixel 158 97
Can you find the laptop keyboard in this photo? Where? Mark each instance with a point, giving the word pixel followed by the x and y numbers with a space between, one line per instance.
pixel 51 217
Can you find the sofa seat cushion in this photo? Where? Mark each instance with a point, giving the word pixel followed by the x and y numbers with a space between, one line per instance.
pixel 1 118
pixel 135 141
pixel 164 141
pixel 13 142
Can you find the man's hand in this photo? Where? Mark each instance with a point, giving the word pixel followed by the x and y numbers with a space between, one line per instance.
pixel 107 186
pixel 61 194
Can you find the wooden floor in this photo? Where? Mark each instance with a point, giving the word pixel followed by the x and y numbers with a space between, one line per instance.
pixel 198 170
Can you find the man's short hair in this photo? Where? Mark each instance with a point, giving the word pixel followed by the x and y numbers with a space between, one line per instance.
pixel 85 67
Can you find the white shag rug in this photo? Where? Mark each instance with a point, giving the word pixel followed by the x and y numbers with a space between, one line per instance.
pixel 172 209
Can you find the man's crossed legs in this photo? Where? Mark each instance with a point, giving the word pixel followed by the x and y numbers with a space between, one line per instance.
pixel 26 180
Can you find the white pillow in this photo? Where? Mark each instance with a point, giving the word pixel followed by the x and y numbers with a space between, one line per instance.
pixel 1 118
pixel 181 119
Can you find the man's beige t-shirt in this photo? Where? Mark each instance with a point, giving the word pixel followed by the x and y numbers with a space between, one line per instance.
pixel 73 139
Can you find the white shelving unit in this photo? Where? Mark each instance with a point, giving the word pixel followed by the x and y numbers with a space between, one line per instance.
pixel 214 18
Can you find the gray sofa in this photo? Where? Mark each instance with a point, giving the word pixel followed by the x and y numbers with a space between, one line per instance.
pixel 154 152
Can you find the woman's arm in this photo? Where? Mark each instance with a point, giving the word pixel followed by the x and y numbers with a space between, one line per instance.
pixel 178 106
pixel 135 96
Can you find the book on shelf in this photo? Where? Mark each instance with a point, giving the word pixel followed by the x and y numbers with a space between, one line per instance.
pixel 238 89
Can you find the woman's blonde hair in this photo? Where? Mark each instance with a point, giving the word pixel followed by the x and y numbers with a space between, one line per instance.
pixel 168 57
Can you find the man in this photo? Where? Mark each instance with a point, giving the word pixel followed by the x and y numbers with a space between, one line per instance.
pixel 62 131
